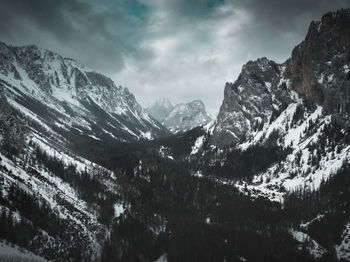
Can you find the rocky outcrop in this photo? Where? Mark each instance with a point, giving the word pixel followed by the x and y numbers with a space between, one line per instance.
pixel 319 66
pixel 250 101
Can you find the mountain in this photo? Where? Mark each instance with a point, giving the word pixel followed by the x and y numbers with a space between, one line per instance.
pixel 160 109
pixel 257 95
pixel 181 117
pixel 68 97
pixel 186 116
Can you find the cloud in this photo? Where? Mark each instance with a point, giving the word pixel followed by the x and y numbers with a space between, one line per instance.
pixel 95 34
pixel 181 49
pixel 199 45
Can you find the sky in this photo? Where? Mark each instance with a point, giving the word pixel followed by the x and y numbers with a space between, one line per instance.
pixel 179 49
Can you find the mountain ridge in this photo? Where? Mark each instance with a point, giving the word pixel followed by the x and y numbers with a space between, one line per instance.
pixel 74 94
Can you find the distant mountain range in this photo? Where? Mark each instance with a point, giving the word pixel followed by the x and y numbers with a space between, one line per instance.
pixel 180 117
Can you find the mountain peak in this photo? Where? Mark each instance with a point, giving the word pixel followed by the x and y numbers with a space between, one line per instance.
pixel 318 67
pixel 186 116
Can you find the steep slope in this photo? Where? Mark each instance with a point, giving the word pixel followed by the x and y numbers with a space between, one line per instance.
pixel 67 96
pixel 160 109
pixel 186 116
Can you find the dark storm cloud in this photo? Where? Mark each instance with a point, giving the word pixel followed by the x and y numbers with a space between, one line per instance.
pixel 183 49
pixel 93 32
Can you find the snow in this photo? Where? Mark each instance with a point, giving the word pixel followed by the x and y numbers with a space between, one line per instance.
pixel 286 175
pixel 61 88
pixel 67 95
pixel 118 209
pixel 209 128
pixel 197 145
pixel 294 134
pixel 94 137
pixel 306 224
pixel 315 249
pixel 207 220
pixel 147 135
pixel 57 193
pixel 67 157
pixel 30 115
pixel 198 174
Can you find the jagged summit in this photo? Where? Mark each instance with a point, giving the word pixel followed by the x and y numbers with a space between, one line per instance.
pixel 251 100
pixel 68 95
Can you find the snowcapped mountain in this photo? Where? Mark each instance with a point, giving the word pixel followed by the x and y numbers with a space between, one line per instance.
pixel 184 117
pixel 318 72
pixel 68 97
pixel 160 109
pixel 300 106
pixel 181 117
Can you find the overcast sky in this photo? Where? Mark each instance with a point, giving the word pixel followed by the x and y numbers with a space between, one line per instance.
pixel 180 49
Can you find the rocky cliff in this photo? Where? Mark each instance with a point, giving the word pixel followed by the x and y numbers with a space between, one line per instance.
pixel 318 72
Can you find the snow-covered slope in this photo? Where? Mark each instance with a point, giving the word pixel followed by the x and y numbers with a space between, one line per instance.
pixel 64 95
pixel 47 192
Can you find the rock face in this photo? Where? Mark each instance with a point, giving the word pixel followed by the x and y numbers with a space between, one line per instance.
pixel 250 101
pixel 319 66
pixel 186 116
pixel 62 94
pixel 160 109
pixel 318 71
